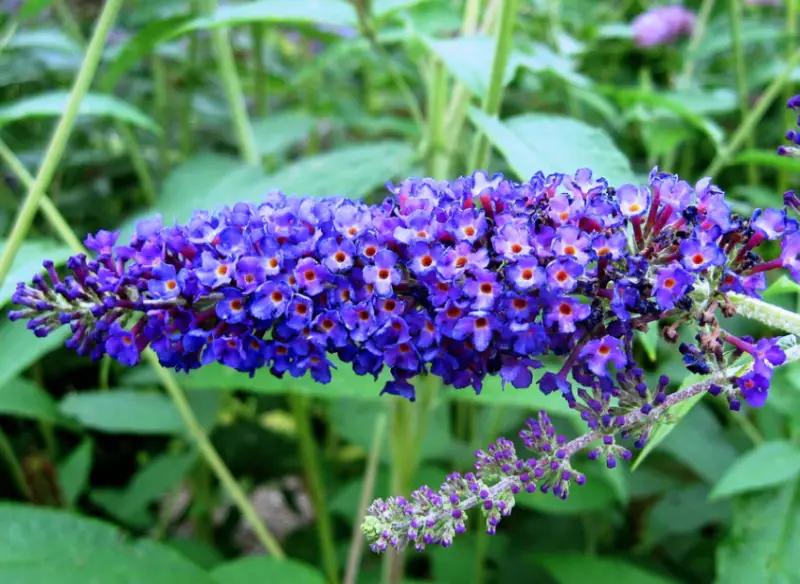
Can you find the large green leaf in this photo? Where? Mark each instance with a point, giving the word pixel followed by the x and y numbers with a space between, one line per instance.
pixel 23 348
pixel 22 398
pixel 45 546
pixel 327 12
pixel 264 569
pixel 74 470
pixel 211 181
pixel 682 511
pixel 52 104
pixel 28 262
pixel 123 411
pixel 764 542
pixel 595 496
pixel 470 59
pixel 549 143
pixel 579 569
pixel 278 132
pixel 767 158
pixel 767 465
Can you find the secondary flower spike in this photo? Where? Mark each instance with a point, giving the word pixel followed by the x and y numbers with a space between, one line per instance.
pixel 459 279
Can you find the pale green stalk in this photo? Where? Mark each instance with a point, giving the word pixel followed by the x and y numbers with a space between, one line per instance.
pixel 257 32
pixel 766 313
pixel 491 104
pixel 438 150
pixel 741 79
pixel 310 457
pixel 161 107
pixel 753 117
pixel 367 492
pixel 61 135
pixel 233 90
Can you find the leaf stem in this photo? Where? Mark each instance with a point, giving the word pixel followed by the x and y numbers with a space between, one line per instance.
pixel 370 476
pixel 257 32
pixel 233 90
pixel 479 158
pixel 310 458
pixel 61 135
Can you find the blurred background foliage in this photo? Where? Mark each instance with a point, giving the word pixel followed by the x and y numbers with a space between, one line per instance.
pixel 199 104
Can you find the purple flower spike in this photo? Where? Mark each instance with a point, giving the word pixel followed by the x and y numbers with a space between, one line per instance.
pixel 384 273
pixel 671 284
pixel 697 256
pixel 754 388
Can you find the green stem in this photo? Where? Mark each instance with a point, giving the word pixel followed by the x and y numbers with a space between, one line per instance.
pixel 310 458
pixel 753 117
pixel 51 213
pixel 437 131
pixel 491 104
pixel 188 85
pixel 766 313
pixel 257 32
pixel 741 78
pixel 233 90
pixel 400 434
pixel 14 466
pixel 790 117
pixel 161 107
pixel 213 458
pixel 105 372
pixel 371 474
pixel 60 137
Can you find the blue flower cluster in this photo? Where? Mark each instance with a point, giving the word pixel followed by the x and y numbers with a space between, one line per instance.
pixel 457 279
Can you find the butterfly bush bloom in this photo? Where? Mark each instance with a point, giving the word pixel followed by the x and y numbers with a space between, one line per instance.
pixel 662 25
pixel 463 279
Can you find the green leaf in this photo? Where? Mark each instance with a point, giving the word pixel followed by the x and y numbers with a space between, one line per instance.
pixel 762 545
pixel 683 511
pixel 470 59
pixel 32 8
pixel 578 569
pixel 45 546
pixel 718 39
pixel 649 341
pixel 159 476
pixel 52 104
pixel 27 348
pixel 569 145
pixel 211 181
pixel 22 398
pixel 328 12
pixel 123 411
pixel 74 470
pixel 664 426
pixel 28 262
pixel 768 158
pixel 783 285
pixel 277 133
pixel 138 46
pixel 769 464
pixel 49 39
pixel 596 495
pixel 265 569
pixel 687 106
